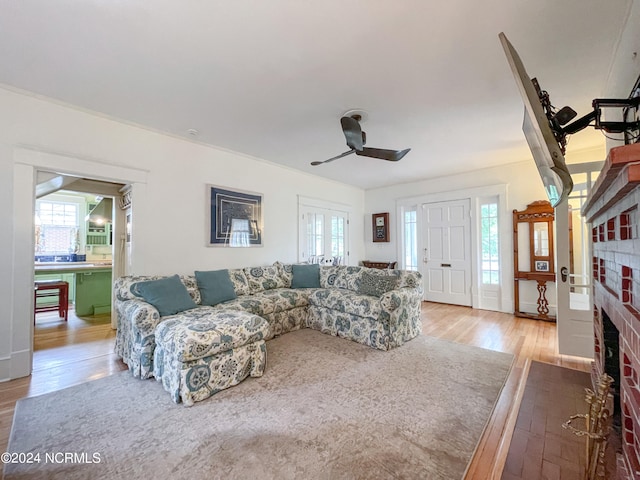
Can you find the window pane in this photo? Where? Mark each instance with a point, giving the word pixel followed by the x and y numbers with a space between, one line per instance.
pixel 57 231
pixel 489 244
pixel 410 241
pixel 337 236
pixel 315 234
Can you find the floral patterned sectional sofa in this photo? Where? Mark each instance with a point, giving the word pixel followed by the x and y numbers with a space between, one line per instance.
pixel 379 308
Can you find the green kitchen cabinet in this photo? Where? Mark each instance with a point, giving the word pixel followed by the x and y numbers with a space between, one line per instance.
pixel 93 292
pixel 98 234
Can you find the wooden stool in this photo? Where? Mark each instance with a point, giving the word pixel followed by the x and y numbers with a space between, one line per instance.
pixel 51 288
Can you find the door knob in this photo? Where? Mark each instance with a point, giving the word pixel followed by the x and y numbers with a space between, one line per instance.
pixel 564 273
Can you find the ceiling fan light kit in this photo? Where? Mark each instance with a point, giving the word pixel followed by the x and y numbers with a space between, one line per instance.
pixel 356 139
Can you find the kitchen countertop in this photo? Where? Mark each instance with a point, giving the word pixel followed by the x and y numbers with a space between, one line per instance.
pixel 53 267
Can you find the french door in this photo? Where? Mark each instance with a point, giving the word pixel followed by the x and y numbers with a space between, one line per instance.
pixel 446 258
pixel 323 235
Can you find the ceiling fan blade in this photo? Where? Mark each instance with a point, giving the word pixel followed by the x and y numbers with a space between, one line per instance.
pixel 316 163
pixel 352 133
pixel 382 154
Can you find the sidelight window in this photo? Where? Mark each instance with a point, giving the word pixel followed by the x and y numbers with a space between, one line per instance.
pixel 410 240
pixel 490 245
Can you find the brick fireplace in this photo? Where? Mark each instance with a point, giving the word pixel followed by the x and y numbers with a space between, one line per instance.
pixel 612 211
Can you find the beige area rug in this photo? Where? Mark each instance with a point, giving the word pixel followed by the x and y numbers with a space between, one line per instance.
pixel 326 408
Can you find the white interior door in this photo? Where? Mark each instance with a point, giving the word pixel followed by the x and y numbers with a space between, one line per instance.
pixel 573 268
pixel 447 253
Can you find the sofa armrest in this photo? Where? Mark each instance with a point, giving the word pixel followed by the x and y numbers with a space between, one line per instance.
pixel 401 307
pixel 135 337
pixel 394 299
pixel 138 317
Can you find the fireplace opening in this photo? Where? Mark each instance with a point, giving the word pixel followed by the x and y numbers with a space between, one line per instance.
pixel 611 364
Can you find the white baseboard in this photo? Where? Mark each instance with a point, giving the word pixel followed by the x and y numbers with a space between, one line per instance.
pixel 15 366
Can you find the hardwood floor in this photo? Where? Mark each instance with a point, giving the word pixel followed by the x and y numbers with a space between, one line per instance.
pixel 82 350
pixel 65 354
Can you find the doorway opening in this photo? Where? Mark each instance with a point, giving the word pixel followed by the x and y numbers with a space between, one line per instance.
pixel 76 239
pixel 27 163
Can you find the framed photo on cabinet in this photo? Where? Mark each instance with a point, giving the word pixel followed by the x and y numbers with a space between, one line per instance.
pixel 542 266
pixel 380 224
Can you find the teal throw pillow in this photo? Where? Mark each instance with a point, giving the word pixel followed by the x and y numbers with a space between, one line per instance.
pixel 215 287
pixel 305 276
pixel 168 295
pixel 376 285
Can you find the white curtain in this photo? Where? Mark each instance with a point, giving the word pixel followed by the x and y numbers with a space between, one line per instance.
pixel 240 232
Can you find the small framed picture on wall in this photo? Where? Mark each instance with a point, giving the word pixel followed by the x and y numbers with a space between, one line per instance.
pixel 380 223
pixel 542 266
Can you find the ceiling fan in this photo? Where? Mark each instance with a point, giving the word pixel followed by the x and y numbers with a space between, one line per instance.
pixel 356 140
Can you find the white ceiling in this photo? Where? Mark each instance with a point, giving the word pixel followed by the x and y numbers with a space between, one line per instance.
pixel 271 79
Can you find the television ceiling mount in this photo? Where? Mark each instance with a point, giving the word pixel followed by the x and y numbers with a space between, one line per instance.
pixel 558 119
pixel 546 129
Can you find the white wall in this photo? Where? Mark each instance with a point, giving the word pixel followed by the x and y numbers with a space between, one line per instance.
pixel 625 67
pixel 524 186
pixel 170 177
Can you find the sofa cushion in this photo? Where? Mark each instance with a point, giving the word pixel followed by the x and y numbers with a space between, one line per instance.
pixel 328 275
pixel 192 336
pixel 265 278
pixel 189 281
pixel 124 287
pixel 281 299
pixel 239 281
pixel 346 301
pixel 269 301
pixel 376 285
pixel 215 286
pixel 169 295
pixel 305 276
pixel 286 272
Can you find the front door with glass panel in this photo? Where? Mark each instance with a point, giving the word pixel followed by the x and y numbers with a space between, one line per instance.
pixel 323 236
pixel 447 254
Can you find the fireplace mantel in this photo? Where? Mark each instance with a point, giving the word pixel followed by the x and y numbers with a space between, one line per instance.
pixel 612 211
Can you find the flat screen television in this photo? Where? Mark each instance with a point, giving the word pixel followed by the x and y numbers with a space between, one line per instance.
pixel 537 127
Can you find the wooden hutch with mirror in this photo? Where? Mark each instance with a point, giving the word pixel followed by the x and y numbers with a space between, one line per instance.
pixel 533 255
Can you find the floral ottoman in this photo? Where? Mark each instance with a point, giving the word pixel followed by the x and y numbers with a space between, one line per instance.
pixel 197 357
